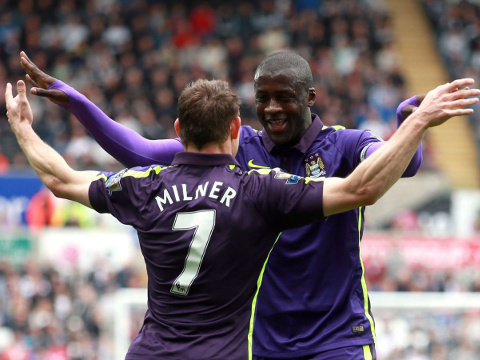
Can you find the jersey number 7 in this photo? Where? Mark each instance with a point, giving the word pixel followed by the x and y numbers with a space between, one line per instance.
pixel 203 222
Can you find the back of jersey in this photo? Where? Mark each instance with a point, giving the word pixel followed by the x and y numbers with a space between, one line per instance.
pixel 203 257
pixel 205 244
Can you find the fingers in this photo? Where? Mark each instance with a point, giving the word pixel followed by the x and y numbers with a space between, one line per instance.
pixel 23 55
pixel 35 76
pixel 31 81
pixel 459 112
pixel 459 83
pixel 30 68
pixel 8 95
pixel 408 110
pixel 22 90
pixel 451 87
pixel 42 92
pixel 464 103
pixel 27 65
pixel 420 98
pixel 464 93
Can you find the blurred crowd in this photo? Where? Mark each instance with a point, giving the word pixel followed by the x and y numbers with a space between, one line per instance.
pixel 46 314
pixel 416 334
pixel 132 58
pixel 457 28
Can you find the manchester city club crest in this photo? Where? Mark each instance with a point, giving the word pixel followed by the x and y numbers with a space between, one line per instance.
pixel 314 166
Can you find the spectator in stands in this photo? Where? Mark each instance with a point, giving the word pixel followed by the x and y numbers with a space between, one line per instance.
pixel 102 56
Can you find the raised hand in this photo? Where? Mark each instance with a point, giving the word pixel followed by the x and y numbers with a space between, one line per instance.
pixel 41 81
pixel 19 112
pixel 449 100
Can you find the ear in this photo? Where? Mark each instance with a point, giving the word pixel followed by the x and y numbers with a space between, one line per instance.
pixel 311 97
pixel 176 125
pixel 235 127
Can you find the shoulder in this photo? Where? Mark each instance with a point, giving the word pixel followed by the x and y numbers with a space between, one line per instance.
pixel 347 137
pixel 338 132
pixel 114 181
pixel 144 171
pixel 252 179
pixel 269 176
pixel 347 143
pixel 247 134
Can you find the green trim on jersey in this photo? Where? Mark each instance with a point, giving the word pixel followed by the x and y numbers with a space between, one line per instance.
pixel 100 176
pixel 320 179
pixel 254 302
pixel 135 173
pixel 364 283
pixel 306 180
pixel 335 127
pixel 262 171
pixel 144 173
pixel 367 354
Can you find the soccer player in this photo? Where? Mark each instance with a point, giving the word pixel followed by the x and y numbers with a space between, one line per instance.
pixel 205 226
pixel 313 302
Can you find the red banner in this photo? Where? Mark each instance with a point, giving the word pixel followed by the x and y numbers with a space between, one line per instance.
pixel 419 251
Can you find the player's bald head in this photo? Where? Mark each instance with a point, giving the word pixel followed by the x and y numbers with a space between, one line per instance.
pixel 289 63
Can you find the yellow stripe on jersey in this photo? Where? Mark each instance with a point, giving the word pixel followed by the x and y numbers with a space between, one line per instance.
pixel 144 173
pixel 364 283
pixel 254 301
pixel 335 127
pixel 263 171
pixel 278 170
pixel 319 179
pixel 134 173
pixel 367 354
pixel 100 176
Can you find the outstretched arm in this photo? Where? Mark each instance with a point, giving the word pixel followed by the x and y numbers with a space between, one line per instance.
pixel 124 144
pixel 373 177
pixel 403 111
pixel 50 167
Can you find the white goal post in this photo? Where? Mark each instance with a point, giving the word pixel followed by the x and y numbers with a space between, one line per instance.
pixel 124 300
pixel 425 303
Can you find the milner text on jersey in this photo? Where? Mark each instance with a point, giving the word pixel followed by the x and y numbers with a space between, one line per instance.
pixel 212 191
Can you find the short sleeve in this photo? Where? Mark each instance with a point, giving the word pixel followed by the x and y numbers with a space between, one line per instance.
pixel 119 194
pixel 353 144
pixel 97 193
pixel 286 200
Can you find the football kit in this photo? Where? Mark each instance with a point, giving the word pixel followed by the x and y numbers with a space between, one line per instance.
pixel 313 297
pixel 205 229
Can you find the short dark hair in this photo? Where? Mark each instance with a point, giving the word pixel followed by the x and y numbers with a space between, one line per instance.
pixel 206 109
pixel 283 60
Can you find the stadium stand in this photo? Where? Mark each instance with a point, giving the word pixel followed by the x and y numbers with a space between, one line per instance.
pixel 133 57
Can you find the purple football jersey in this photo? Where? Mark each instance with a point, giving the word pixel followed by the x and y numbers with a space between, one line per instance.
pixel 205 229
pixel 313 296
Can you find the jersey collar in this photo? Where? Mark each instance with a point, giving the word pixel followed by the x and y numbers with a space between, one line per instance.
pixel 305 141
pixel 199 159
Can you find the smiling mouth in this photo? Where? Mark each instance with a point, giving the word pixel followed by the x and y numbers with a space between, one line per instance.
pixel 277 125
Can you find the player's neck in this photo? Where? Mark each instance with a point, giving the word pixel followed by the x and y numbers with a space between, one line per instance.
pixel 225 148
